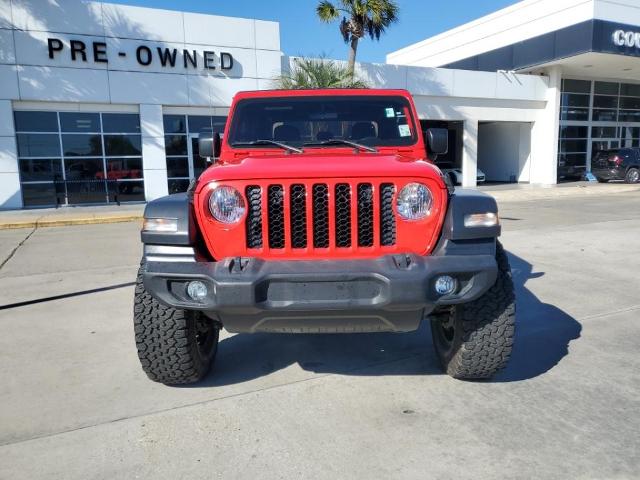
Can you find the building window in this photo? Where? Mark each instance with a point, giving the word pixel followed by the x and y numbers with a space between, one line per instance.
pixel 78 158
pixel 181 147
pixel 595 116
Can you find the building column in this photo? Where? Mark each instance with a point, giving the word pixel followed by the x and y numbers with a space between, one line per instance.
pixel 10 195
pixel 544 134
pixel 154 160
pixel 470 154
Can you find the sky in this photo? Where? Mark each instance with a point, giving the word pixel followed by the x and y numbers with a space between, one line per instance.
pixel 302 34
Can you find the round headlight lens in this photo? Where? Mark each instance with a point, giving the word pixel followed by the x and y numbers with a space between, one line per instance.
pixel 226 204
pixel 414 202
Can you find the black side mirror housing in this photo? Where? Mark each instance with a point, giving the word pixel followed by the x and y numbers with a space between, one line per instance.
pixel 437 141
pixel 209 144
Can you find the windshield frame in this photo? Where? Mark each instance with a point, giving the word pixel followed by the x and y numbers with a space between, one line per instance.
pixel 407 105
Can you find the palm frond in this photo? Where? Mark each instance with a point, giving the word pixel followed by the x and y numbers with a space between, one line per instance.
pixel 310 73
pixel 327 11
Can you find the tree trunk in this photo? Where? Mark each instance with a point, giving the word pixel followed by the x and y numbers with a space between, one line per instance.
pixel 352 54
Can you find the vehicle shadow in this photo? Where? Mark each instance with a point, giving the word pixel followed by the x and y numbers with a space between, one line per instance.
pixel 543 334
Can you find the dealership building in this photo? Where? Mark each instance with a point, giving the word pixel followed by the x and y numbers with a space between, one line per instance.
pixel 103 103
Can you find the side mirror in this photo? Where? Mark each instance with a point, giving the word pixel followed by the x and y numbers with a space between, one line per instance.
pixel 209 145
pixel 437 141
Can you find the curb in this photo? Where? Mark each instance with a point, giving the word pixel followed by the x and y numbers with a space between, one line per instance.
pixel 39 223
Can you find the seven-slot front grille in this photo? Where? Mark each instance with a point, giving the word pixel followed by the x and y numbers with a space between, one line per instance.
pixel 343 215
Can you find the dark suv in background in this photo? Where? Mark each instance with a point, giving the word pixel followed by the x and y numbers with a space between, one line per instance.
pixel 617 164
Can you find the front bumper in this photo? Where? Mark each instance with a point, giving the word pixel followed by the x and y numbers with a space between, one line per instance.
pixel 391 293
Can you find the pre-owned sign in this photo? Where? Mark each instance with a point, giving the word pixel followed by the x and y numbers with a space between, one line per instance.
pixel 144 55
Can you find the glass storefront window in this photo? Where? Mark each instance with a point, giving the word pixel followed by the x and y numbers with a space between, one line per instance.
pixel 606 88
pixel 82 171
pixel 81 145
pixel 36 121
pixel 576 86
pixel 40 169
pixel 121 145
pixel 80 122
pixel 38 145
pixel 181 147
pixel 120 123
pixel 174 124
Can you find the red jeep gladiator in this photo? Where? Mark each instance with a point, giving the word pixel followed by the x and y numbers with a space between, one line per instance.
pixel 322 213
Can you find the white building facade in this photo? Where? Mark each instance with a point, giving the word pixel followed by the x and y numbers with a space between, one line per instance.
pixel 103 103
pixel 587 49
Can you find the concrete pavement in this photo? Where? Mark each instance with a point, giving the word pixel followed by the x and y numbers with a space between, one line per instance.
pixel 74 402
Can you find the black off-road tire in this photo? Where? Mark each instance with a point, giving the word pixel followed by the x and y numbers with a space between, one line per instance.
pixel 632 176
pixel 474 340
pixel 174 346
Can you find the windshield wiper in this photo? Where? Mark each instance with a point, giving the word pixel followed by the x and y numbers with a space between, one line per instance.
pixel 339 141
pixel 267 142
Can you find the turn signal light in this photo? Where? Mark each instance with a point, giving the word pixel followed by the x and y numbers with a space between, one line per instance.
pixel 488 219
pixel 163 225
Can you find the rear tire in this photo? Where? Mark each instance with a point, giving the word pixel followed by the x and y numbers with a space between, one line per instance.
pixel 632 176
pixel 174 346
pixel 474 340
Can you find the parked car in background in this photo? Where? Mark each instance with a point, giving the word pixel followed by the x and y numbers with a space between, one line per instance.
pixel 455 174
pixel 617 164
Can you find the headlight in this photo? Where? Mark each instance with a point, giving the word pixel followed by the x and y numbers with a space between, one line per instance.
pixel 226 204
pixel 414 202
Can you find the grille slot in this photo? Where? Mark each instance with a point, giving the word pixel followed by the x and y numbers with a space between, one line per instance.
pixel 343 215
pixel 298 215
pixel 320 216
pixel 254 216
pixel 387 218
pixel 365 215
pixel 275 208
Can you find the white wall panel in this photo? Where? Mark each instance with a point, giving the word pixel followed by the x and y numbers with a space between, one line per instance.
pixel 10 196
pixel 6 119
pixel 430 81
pixel 8 155
pixel 267 35
pixel 226 31
pixel 151 123
pixel 7 52
pixel 213 91
pixel 156 88
pixel 5 14
pixel 269 64
pixel 155 184
pixel 124 21
pixel 65 16
pixel 153 153
pixel 63 85
pixel 9 82
pixel 32 49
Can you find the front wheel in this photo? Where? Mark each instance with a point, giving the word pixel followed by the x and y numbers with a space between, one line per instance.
pixel 474 340
pixel 174 346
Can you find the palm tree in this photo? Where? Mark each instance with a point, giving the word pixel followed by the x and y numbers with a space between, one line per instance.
pixel 359 18
pixel 318 73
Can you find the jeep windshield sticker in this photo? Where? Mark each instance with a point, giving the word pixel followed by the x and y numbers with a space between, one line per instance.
pixel 404 130
pixel 390 112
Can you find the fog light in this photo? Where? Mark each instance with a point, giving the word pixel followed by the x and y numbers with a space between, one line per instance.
pixel 445 285
pixel 197 290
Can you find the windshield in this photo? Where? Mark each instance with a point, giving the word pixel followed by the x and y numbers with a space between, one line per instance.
pixel 297 121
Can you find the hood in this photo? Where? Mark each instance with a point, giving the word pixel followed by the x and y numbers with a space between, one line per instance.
pixel 320 166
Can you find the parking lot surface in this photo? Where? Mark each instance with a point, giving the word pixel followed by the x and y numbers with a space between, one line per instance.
pixel 74 402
